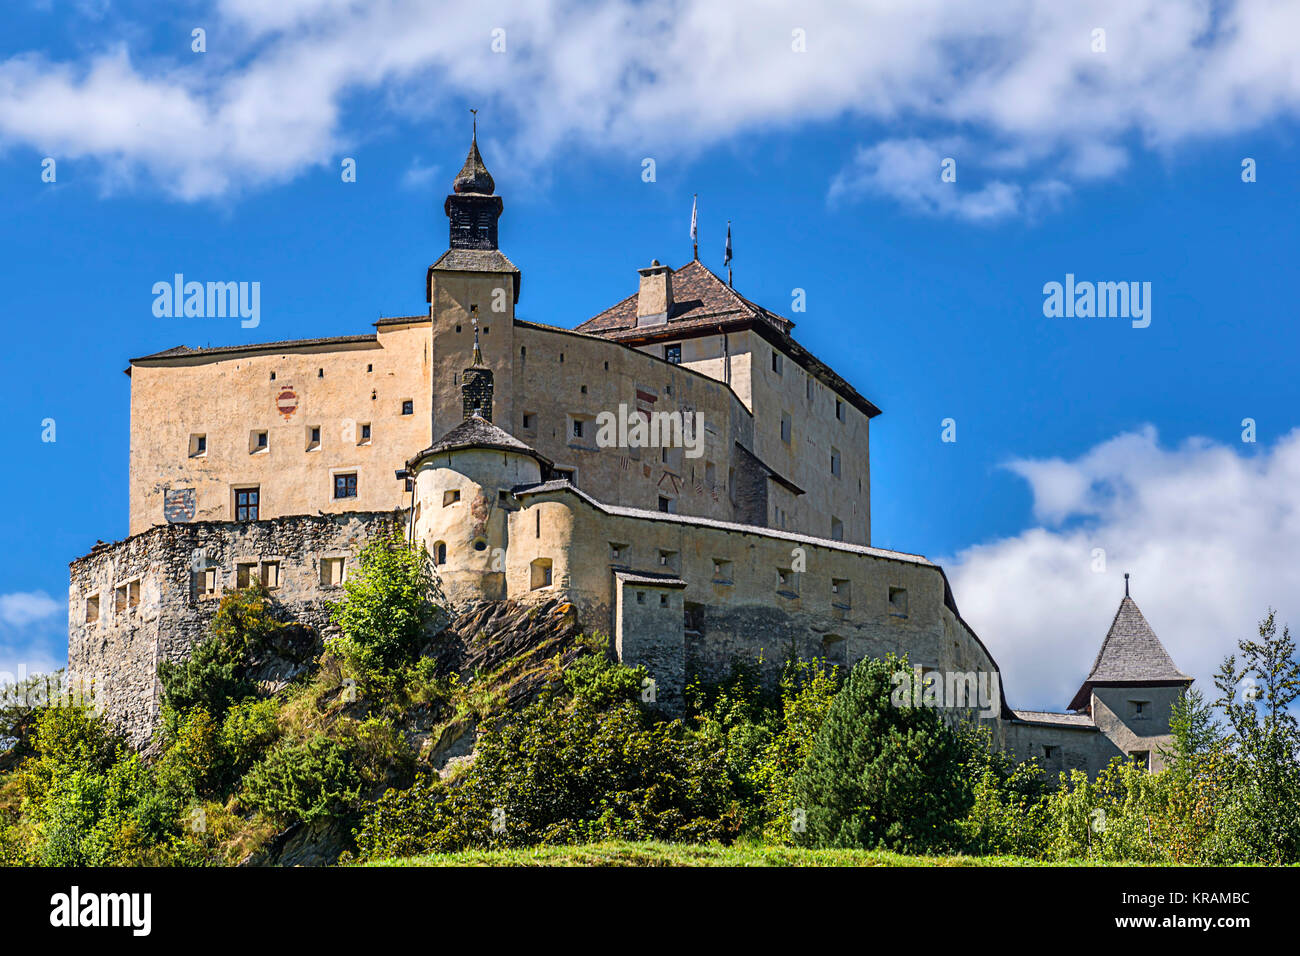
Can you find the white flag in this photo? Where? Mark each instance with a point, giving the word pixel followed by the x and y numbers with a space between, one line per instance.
pixel 694 204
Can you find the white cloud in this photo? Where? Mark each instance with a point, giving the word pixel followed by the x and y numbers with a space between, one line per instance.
pixel 1018 77
pixel 25 607
pixel 1209 533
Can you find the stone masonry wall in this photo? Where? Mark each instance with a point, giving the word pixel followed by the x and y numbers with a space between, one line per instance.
pixel 151 605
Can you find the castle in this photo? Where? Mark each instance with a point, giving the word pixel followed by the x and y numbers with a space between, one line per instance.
pixel 678 468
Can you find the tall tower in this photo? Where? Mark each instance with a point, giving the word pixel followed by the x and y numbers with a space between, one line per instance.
pixel 472 291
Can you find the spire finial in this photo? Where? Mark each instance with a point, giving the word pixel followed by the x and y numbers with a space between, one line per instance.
pixel 475 134
pixel 1126 584
pixel 473 318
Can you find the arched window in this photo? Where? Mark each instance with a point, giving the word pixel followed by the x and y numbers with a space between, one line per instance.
pixel 440 552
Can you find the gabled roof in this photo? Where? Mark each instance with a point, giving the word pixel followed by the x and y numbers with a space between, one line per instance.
pixel 1131 654
pixel 703 303
pixel 478 432
pixel 184 351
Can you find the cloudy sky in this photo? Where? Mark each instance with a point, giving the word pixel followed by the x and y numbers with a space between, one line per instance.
pixel 1107 140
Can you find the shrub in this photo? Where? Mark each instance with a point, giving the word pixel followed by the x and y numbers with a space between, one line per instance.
pixel 303 781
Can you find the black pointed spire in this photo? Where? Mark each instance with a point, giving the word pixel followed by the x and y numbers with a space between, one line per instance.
pixel 472 207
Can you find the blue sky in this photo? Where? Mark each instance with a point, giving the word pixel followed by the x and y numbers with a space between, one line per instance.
pixel 1071 433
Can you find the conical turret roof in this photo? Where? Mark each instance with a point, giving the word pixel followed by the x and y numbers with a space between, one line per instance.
pixel 1130 654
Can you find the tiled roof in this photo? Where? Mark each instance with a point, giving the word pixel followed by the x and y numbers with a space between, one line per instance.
pixel 184 351
pixel 700 298
pixel 477 432
pixel 702 302
pixel 473 260
pixel 1063 720
pixel 1131 654
pixel 651 578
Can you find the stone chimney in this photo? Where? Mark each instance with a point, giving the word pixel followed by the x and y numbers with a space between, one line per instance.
pixel 654 299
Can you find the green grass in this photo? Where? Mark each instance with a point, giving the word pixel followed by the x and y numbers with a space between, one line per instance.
pixel 684 854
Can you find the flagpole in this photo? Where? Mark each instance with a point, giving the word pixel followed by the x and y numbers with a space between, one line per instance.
pixel 695 236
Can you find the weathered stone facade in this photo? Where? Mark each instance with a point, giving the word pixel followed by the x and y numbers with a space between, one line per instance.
pixel 151 597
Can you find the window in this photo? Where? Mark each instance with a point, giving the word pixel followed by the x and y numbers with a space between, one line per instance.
pixel 841 593
pixel 365 434
pixel 198 446
pixel 835 462
pixel 785 428
pixel 132 594
pixel 540 573
pixel 503 498
pixel 92 609
pixel 345 486
pixel 665 504
pixel 839 409
pixel 1051 754
pixel 640 597
pixel 721 571
pixel 440 552
pixel 258 441
pixel 694 617
pixel 331 572
pixel 1140 709
pixel 785 582
pixel 898 602
pixel 245 573
pixel 577 427
pixel 617 550
pixel 530 421
pixel 673 354
pixel 205 583
pixel 833 649
pixel 450 497
pixel 777 362
pixel 808 387
pixel 119 599
pixel 663 600
pixel 408 406
pixel 1141 758
pixel 668 559
pixel 566 474
pixel 313 437
pixel 837 529
pixel 270 574
pixel 247 503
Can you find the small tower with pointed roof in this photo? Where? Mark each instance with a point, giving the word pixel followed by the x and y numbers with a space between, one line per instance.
pixel 1132 686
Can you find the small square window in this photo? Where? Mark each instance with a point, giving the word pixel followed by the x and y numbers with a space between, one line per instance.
pixel 408 406
pixel 640 597
pixel 668 559
pixel 365 435
pixel 1141 759
pixel 331 572
pixel 92 609
pixel 1140 709
pixel 541 571
pixel 198 446
pixel 721 570
pixel 837 529
pixel 841 592
pixel 617 551
pixel 313 437
pixel 345 486
pixel 898 602
pixel 665 504
pixel 259 440
pixel 245 573
pixel 530 421
pixel 663 600
pixel 270 574
pixel 450 497
pixel 673 354
pixel 205 583
pixel 577 428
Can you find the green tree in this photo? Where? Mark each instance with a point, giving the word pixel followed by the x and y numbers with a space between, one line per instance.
pixel 880 775
pixel 387 609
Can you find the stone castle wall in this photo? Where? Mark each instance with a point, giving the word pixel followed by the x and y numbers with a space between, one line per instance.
pixel 152 605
